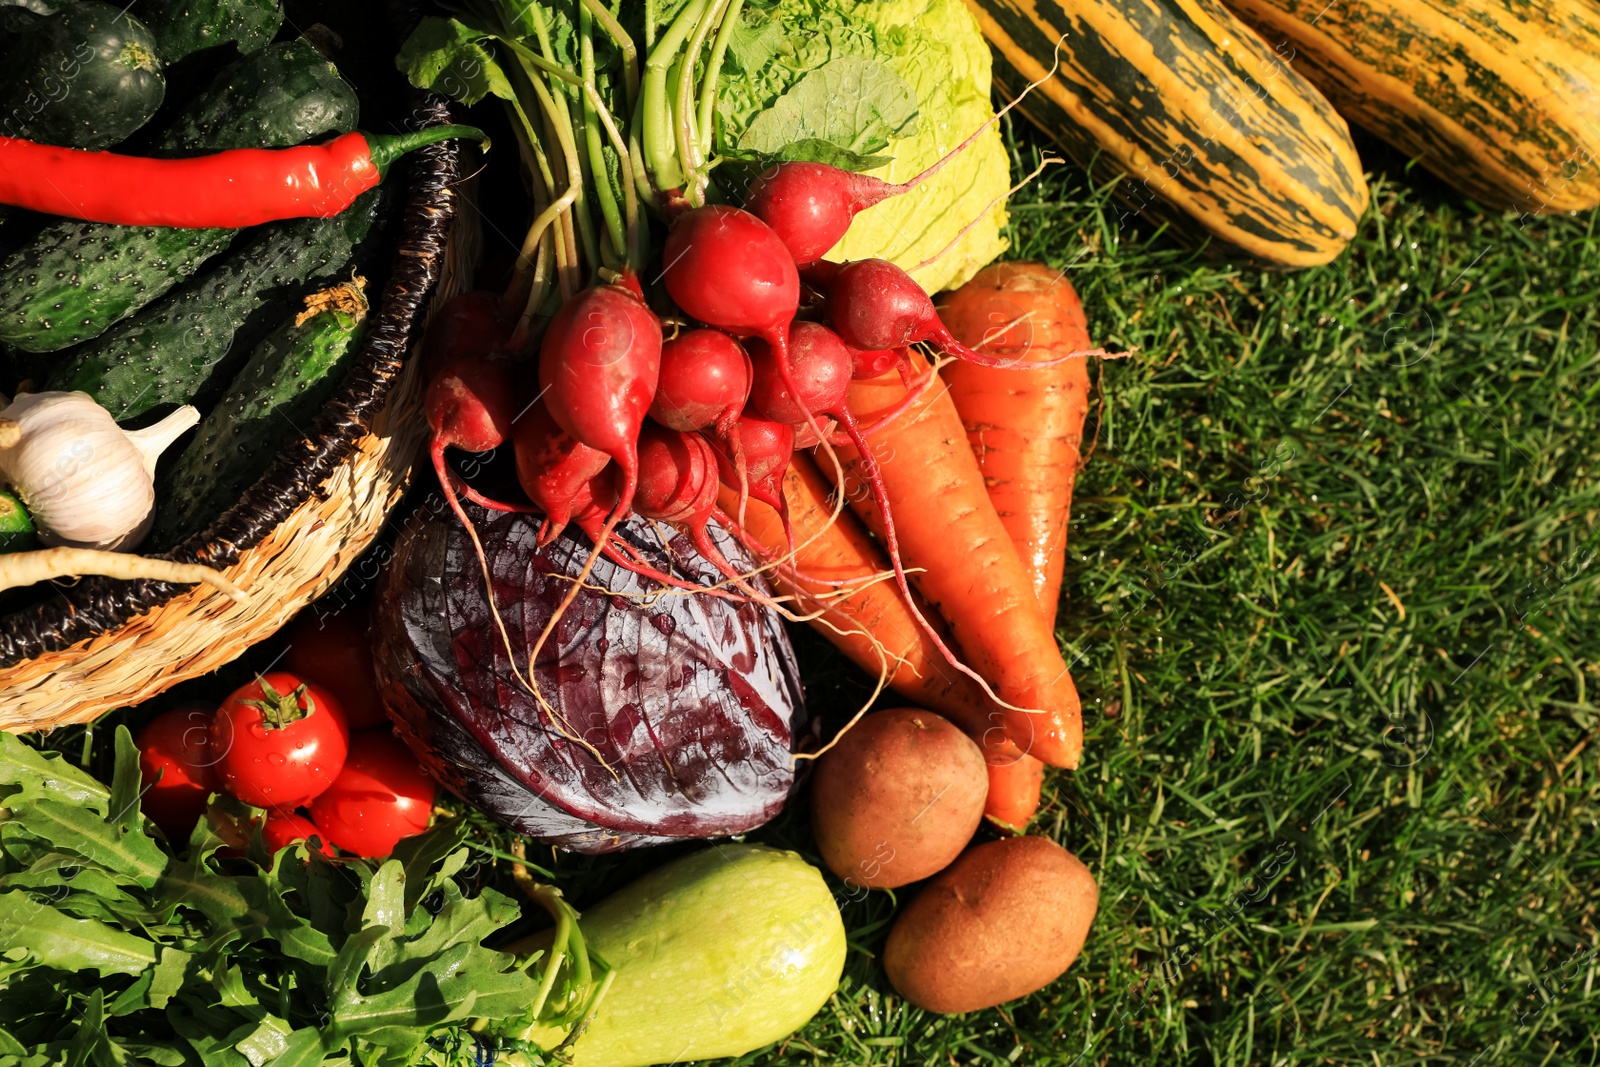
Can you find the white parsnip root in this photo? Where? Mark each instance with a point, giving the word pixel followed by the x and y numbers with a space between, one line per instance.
pixel 18 569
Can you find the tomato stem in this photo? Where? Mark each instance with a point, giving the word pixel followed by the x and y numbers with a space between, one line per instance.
pixel 280 709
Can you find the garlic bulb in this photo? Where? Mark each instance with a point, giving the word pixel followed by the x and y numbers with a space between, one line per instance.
pixel 88 482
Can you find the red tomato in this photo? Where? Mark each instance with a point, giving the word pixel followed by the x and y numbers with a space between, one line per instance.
pixel 279 741
pixel 381 796
pixel 176 745
pixel 332 650
pixel 281 831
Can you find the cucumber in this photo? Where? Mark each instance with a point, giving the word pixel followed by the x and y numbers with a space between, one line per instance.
pixel 85 77
pixel 288 378
pixel 184 27
pixel 16 525
pixel 175 350
pixel 75 279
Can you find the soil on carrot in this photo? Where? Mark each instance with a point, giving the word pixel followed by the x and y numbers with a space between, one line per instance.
pixel 1332 603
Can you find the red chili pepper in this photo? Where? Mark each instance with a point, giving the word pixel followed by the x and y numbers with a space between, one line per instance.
pixel 228 190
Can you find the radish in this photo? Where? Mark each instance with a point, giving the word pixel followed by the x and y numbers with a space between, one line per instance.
pixel 811 205
pixel 553 468
pixel 870 364
pixel 676 476
pixel 598 367
pixel 678 485
pixel 874 305
pixel 705 379
pixel 820 367
pixel 765 447
pixel 469 324
pixel 729 270
pixel 468 406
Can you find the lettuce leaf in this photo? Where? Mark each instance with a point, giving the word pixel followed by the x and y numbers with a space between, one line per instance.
pixel 934 48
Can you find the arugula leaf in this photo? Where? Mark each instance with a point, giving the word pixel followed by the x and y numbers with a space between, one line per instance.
pixel 142 1052
pixel 126 785
pixel 304 1048
pixel 52 806
pixel 211 959
pixel 80 890
pixel 250 904
pixel 90 1043
pixel 52 939
pixel 268 1041
pixel 10 1046
pixel 21 764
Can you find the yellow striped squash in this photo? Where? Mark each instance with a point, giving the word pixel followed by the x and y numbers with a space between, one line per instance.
pixel 1212 130
pixel 1500 98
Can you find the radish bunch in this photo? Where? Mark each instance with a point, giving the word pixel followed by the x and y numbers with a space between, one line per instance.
pixel 627 422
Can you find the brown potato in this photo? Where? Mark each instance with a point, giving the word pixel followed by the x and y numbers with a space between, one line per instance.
pixel 897 798
pixel 1007 918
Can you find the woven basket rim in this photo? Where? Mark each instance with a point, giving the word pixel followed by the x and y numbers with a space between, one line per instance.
pixel 94 606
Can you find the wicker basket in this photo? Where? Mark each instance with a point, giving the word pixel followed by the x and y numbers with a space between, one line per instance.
pixel 102 644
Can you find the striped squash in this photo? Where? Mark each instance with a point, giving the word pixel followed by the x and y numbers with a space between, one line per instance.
pixel 1500 98
pixel 1211 129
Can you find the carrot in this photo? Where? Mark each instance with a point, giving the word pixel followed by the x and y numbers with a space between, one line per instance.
pixel 844 552
pixel 1025 429
pixel 1025 426
pixel 1015 787
pixel 969 569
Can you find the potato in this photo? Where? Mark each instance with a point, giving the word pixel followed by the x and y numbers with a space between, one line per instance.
pixel 897 798
pixel 1004 920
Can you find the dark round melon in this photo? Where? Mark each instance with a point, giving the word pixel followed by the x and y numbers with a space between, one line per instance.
pixel 86 76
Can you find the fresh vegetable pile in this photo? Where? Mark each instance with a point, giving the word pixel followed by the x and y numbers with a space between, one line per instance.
pixel 709 391
pixel 622 403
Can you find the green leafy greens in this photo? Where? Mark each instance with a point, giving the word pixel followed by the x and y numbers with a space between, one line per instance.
pixel 784 51
pixel 109 945
pixel 618 106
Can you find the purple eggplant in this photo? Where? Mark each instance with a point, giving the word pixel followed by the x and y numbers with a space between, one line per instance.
pixel 669 717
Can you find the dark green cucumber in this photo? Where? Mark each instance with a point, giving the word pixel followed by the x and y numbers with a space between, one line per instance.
pixel 184 27
pixel 177 349
pixel 75 279
pixel 86 77
pixel 277 394
pixel 283 95
pixel 16 525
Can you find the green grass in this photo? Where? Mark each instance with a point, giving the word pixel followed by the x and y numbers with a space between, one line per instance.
pixel 1407 801
pixel 1326 830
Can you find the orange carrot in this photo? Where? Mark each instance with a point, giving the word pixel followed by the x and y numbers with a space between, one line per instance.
pixel 969 570
pixel 1025 428
pixel 845 552
pixel 1015 787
